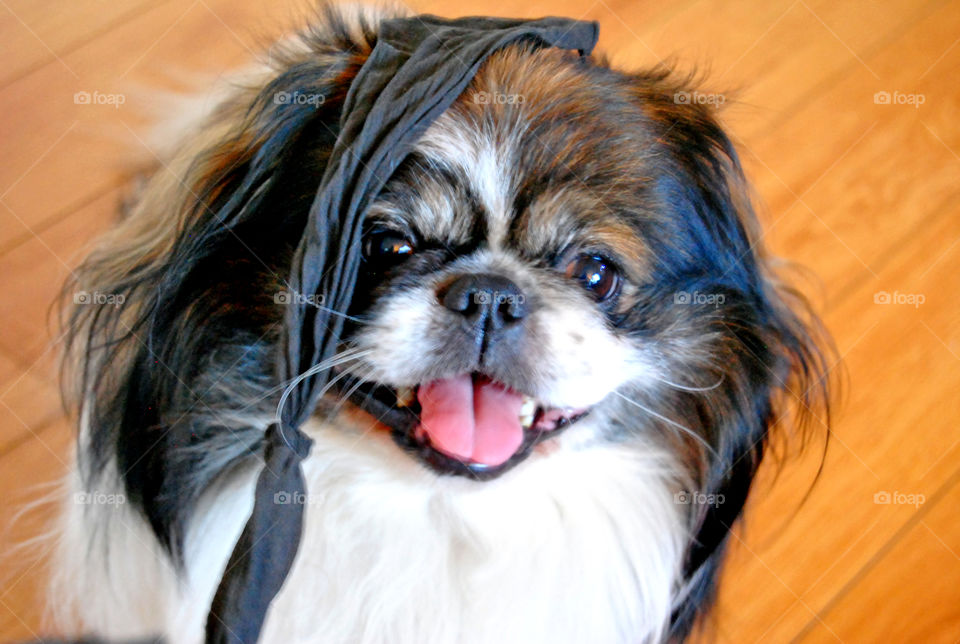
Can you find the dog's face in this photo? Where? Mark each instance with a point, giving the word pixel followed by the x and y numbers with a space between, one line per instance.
pixel 520 271
pixel 501 263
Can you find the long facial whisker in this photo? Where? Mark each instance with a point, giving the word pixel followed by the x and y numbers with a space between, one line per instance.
pixel 361 379
pixel 333 361
pixel 283 385
pixel 686 430
pixel 332 383
pixel 338 313
pixel 690 389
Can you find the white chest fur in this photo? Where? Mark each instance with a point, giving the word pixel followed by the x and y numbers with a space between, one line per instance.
pixel 581 545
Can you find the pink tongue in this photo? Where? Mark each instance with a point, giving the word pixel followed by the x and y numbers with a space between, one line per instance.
pixel 476 421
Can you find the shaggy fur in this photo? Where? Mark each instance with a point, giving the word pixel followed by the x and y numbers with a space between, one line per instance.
pixel 687 370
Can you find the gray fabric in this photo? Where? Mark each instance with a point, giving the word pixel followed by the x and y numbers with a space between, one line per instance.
pixel 418 67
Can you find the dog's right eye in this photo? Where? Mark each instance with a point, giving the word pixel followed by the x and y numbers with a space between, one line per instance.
pixel 596 274
pixel 385 248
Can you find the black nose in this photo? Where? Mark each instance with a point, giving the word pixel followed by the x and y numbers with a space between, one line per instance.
pixel 488 301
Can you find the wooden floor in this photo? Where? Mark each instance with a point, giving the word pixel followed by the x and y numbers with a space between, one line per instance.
pixel 862 190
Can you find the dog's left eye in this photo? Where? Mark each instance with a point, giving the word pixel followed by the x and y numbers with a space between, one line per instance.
pixel 596 274
pixel 385 248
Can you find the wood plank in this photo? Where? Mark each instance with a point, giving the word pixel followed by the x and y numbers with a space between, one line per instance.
pixel 885 440
pixel 771 55
pixel 888 181
pixel 26 510
pixel 68 152
pixel 915 583
pixel 36 33
pixel 28 403
pixel 31 276
pixel 846 177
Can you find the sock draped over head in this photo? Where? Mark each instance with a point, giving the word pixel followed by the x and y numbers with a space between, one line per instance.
pixel 417 69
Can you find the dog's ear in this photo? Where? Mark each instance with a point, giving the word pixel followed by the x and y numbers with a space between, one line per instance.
pixel 776 389
pixel 770 353
pixel 194 274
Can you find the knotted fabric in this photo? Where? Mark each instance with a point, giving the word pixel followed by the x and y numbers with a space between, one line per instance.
pixel 417 69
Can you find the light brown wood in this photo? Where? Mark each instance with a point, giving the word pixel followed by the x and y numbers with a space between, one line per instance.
pixel 866 195
pixel 907 611
pixel 27 507
pixel 28 403
pixel 883 442
pixel 36 33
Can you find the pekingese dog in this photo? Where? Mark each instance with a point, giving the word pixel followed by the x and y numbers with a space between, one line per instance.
pixel 562 361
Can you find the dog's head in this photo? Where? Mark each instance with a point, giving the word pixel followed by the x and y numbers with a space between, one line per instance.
pixel 505 260
pixel 565 242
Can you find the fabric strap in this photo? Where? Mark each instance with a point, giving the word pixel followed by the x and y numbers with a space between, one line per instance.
pixel 417 69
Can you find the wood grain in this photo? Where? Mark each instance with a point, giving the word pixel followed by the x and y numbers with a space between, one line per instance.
pixel 866 195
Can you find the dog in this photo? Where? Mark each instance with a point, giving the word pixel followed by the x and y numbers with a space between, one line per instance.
pixel 565 355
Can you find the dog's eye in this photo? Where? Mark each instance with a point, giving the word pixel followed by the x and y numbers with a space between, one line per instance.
pixel 385 248
pixel 596 274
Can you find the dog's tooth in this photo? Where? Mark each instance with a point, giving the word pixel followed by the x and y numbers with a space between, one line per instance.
pixel 528 406
pixel 528 409
pixel 404 396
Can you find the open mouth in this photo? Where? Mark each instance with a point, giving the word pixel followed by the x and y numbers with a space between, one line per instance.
pixel 466 424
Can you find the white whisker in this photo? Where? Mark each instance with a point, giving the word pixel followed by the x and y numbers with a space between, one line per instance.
pixel 335 312
pixel 686 430
pixel 360 380
pixel 338 379
pixel 691 389
pixel 333 361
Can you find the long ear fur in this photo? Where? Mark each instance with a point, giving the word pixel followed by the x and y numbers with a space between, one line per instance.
pixel 170 377
pixel 770 371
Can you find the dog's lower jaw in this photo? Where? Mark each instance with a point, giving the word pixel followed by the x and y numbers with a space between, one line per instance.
pixel 583 544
